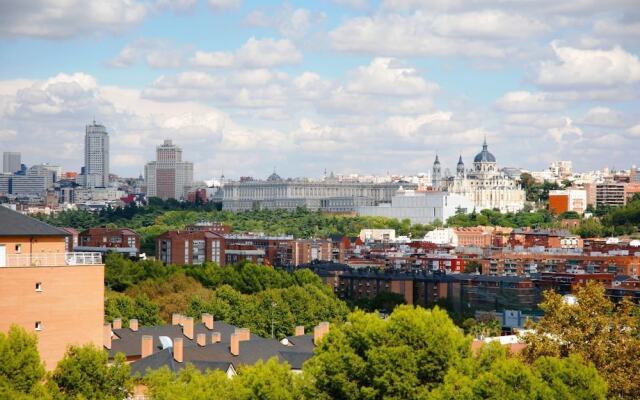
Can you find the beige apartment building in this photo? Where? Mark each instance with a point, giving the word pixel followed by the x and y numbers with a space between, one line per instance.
pixel 59 295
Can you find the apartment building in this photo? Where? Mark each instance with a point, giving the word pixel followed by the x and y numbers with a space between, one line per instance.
pixel 121 240
pixel 45 289
pixel 190 247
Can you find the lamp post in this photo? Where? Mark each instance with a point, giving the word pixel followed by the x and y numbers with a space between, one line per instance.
pixel 273 307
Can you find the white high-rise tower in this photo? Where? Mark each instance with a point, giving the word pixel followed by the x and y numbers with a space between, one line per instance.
pixel 96 156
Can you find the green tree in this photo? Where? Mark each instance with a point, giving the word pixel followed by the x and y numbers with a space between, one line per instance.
pixel 188 384
pixel 590 228
pixel 85 373
pixel 472 266
pixel 594 329
pixel 117 305
pixel 402 357
pixel 21 370
pixel 269 380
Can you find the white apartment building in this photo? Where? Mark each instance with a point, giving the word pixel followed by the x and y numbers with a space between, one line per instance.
pixel 420 207
pixel 96 156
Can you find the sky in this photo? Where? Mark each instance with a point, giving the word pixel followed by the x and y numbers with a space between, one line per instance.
pixel 300 87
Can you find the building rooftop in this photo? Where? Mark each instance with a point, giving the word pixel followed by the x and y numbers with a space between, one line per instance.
pixel 13 223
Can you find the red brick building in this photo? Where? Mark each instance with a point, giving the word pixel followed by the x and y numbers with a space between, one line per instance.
pixel 102 239
pixel 190 247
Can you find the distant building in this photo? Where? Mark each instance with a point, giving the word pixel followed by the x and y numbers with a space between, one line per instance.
pixel 329 195
pixel 168 177
pixel 96 156
pixel 561 169
pixel 610 193
pixel 484 185
pixel 190 247
pixel 571 199
pixel 308 250
pixel 377 235
pixel 10 162
pixel 56 294
pixel 420 207
pixel 121 240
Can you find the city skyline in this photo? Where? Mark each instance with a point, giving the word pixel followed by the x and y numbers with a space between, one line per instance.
pixel 349 86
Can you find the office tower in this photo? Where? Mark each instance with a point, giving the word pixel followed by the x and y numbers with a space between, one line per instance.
pixel 10 162
pixel 168 177
pixel 96 156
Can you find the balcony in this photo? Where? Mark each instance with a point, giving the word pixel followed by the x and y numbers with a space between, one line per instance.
pixel 51 259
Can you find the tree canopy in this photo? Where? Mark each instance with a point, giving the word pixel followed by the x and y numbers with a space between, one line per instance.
pixel 594 329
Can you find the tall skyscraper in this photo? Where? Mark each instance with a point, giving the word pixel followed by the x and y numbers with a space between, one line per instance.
pixel 96 156
pixel 10 162
pixel 168 177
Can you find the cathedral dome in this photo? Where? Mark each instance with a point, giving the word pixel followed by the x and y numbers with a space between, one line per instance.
pixel 484 155
pixel 274 177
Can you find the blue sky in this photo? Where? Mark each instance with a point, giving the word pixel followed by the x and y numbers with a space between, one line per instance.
pixel 352 86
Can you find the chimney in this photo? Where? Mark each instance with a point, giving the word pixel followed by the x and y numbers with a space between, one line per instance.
pixel 244 334
pixel 201 338
pixel 177 349
pixel 216 337
pixel 176 319
pixel 117 323
pixel 325 327
pixel 133 325
pixel 106 336
pixel 317 334
pixel 147 346
pixel 299 330
pixel 235 344
pixel 187 327
pixel 207 320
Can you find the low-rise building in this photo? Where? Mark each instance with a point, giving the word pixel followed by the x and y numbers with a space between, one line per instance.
pixel 121 240
pixel 190 247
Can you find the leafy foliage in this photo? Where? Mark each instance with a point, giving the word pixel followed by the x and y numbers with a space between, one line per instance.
pixel 369 358
pixel 20 367
pixel 263 381
pixel 597 331
pixel 117 305
pixel 84 373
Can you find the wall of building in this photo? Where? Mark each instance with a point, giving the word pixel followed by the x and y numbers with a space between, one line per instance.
pixel 70 305
pixel 34 244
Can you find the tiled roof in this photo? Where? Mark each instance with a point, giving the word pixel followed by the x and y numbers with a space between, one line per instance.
pixel 211 356
pixel 13 223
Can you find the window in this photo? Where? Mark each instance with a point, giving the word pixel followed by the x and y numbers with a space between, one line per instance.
pixel 38 286
pixel 38 325
pixel 131 241
pixel 18 248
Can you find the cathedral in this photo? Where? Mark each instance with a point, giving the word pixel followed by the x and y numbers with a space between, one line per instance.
pixel 484 184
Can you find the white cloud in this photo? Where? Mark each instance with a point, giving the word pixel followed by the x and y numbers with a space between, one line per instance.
pixel 408 126
pixel 588 68
pixel 387 76
pixel 355 4
pixel 255 53
pixel 214 59
pixel 635 131
pixel 524 102
pixel 63 19
pixel 559 133
pixel 156 53
pixel 178 6
pixel 224 5
pixel 423 33
pixel 603 117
